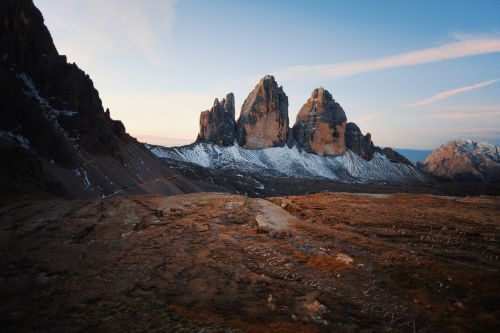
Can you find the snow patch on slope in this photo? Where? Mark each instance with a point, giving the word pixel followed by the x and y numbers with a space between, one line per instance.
pixel 292 162
pixel 16 138
pixel 481 150
pixel 33 92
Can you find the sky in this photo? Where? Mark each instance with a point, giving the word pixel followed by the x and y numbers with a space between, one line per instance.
pixel 414 74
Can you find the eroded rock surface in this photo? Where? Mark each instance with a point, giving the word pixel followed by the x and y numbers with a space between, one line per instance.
pixel 359 143
pixel 218 125
pixel 320 125
pixel 263 121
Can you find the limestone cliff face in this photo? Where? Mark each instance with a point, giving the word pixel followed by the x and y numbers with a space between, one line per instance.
pixel 217 125
pixel 320 125
pixel 263 121
pixel 359 143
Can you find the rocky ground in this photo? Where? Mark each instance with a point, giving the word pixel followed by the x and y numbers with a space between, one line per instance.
pixel 228 263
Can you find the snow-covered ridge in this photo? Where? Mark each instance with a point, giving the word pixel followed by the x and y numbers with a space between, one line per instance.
pixel 292 162
pixel 479 149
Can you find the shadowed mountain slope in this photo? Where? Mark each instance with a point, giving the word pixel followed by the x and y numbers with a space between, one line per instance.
pixel 55 135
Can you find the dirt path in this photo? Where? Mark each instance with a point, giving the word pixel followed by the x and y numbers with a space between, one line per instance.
pixel 126 189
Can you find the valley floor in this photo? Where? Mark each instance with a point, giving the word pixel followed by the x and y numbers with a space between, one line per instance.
pixel 213 262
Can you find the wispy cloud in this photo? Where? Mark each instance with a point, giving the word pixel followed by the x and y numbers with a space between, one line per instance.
pixel 467 115
pixel 449 93
pixel 457 49
pixel 488 113
pixel 89 30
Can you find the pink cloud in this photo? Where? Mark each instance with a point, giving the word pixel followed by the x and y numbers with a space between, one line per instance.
pixel 458 49
pixel 449 93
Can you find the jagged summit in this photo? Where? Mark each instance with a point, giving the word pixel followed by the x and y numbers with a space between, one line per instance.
pixel 321 145
pixel 217 125
pixel 464 160
pixel 320 125
pixel 268 77
pixel 320 128
pixel 359 143
pixel 263 120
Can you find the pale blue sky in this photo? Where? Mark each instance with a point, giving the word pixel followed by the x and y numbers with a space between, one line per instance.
pixel 413 73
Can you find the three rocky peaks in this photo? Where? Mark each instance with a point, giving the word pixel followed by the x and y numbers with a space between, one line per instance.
pixel 321 126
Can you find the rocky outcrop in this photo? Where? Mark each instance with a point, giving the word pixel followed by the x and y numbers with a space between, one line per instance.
pixel 360 144
pixel 464 160
pixel 217 125
pixel 263 121
pixel 320 125
pixel 363 146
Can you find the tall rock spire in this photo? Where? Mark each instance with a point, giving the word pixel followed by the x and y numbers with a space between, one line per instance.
pixel 263 121
pixel 217 125
pixel 359 143
pixel 320 125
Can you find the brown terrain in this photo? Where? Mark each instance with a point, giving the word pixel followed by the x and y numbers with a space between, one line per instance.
pixel 212 262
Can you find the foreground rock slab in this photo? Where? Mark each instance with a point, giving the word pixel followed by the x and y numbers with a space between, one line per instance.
pixel 216 262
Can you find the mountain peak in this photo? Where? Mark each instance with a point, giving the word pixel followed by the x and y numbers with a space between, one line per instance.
pixel 269 78
pixel 321 93
pixel 464 160
pixel 217 125
pixel 320 125
pixel 263 121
